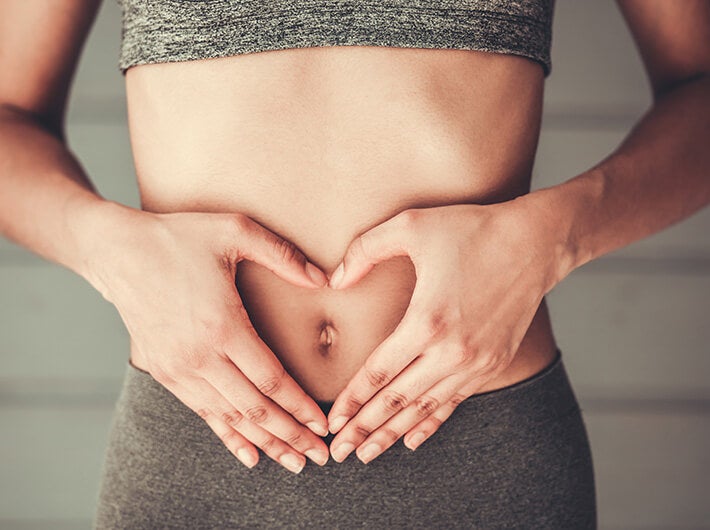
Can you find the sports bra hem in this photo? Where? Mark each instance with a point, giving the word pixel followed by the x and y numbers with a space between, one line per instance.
pixel 189 32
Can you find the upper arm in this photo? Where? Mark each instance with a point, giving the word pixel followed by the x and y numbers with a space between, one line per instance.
pixel 673 39
pixel 40 43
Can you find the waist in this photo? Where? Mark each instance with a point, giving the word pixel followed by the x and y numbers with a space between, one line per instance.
pixel 320 162
pixel 324 336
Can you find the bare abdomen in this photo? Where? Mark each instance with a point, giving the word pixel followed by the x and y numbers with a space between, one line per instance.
pixel 321 144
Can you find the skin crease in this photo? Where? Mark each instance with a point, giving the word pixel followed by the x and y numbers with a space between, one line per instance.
pixel 410 166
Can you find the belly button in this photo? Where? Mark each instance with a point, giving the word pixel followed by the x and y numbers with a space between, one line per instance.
pixel 327 334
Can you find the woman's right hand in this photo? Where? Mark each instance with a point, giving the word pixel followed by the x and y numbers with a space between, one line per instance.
pixel 171 277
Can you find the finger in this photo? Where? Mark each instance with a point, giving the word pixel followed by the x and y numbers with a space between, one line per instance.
pixel 260 365
pixel 417 434
pixel 425 402
pixel 423 430
pixel 423 409
pixel 383 241
pixel 212 403
pixel 390 357
pixel 396 397
pixel 237 444
pixel 282 257
pixel 245 398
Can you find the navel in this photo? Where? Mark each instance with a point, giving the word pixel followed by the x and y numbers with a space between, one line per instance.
pixel 326 338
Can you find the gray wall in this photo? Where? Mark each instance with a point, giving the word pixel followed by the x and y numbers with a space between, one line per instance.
pixel 633 325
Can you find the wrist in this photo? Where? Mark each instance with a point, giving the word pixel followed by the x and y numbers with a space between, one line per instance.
pixel 99 227
pixel 551 213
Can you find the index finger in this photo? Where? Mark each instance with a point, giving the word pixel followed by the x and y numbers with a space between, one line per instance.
pixel 392 356
pixel 260 365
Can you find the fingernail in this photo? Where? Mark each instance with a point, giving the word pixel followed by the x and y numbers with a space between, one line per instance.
pixel 369 452
pixel 337 276
pixel 337 424
pixel 246 457
pixel 317 428
pixel 416 439
pixel 342 451
pixel 292 462
pixel 317 456
pixel 315 274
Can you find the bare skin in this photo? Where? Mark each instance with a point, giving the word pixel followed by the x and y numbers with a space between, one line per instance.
pixel 319 146
pixel 405 130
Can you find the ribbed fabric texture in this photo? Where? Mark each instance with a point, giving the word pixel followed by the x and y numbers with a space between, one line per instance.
pixel 515 457
pixel 156 31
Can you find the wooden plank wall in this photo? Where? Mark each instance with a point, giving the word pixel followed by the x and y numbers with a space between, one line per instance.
pixel 633 326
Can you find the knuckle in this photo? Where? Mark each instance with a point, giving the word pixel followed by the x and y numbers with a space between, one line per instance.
pixel 272 384
pixel 232 417
pixel 203 413
pixel 408 218
pixel 376 377
pixel 464 356
pixel 268 444
pixel 426 405
pixel 492 364
pixel 362 431
pixel 257 414
pixel 394 401
pixel 436 422
pixel 232 440
pixel 238 221
pixel 225 260
pixel 456 399
pixel 295 409
pixel 294 439
pixel 194 361
pixel 353 404
pixel 436 323
pixel 286 250
pixel 484 362
pixel 390 434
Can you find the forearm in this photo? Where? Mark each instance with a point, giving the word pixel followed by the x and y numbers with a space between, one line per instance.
pixel 47 204
pixel 659 175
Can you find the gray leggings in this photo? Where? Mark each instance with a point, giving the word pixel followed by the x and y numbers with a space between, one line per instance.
pixel 515 457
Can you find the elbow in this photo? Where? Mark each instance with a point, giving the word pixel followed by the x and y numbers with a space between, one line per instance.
pixel 11 113
pixel 662 88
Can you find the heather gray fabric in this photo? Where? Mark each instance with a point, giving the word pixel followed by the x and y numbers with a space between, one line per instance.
pixel 516 457
pixel 180 30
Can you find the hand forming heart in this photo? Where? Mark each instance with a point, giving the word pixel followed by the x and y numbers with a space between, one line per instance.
pixel 482 271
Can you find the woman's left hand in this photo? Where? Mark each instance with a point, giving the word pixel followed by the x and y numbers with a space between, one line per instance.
pixel 482 271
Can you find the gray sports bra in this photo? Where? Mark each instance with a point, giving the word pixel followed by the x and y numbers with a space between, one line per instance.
pixel 155 31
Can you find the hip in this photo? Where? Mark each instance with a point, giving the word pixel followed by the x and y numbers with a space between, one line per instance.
pixel 517 456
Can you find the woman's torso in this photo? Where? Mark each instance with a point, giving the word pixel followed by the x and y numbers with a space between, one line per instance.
pixel 320 144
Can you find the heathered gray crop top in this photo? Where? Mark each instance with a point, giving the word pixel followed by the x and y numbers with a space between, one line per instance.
pixel 155 31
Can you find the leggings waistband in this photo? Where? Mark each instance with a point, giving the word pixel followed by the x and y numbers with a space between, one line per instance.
pixel 545 394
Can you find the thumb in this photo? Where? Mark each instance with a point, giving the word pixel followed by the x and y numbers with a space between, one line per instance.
pixel 380 243
pixel 282 257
